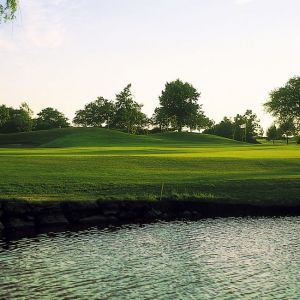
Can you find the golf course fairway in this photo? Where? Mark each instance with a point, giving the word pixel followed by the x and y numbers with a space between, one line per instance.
pixel 95 163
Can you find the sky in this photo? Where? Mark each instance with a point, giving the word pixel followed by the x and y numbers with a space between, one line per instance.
pixel 66 53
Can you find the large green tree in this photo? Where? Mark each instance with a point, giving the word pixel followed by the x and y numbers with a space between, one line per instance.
pixel 96 114
pixel 284 105
pixel 179 104
pixel 15 120
pixel 50 118
pixel 128 113
pixel 8 10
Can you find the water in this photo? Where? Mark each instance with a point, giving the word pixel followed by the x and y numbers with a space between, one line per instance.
pixel 209 259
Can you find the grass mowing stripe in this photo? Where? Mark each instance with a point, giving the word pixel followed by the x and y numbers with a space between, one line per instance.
pixel 99 163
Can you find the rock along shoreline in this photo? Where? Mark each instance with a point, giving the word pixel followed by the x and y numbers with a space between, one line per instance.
pixel 20 218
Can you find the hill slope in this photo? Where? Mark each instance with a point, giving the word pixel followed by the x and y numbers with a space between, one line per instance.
pixel 92 137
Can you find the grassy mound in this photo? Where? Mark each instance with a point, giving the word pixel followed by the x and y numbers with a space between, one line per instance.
pixel 98 137
pixel 31 139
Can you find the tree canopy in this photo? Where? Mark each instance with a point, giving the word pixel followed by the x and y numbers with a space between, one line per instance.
pixel 272 133
pixel 50 118
pixel 124 113
pixel 179 107
pixel 284 105
pixel 241 128
pixel 97 113
pixel 8 10
pixel 128 113
pixel 15 120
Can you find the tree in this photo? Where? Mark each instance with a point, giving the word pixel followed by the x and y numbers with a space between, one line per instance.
pixel 8 10
pixel 272 133
pixel 81 118
pixel 287 129
pixel 128 115
pixel 247 126
pixel 15 120
pixel 50 118
pixel 242 128
pixel 25 107
pixel 96 113
pixel 239 128
pixel 224 128
pixel 284 105
pixel 160 119
pixel 179 104
pixel 4 115
pixel 199 121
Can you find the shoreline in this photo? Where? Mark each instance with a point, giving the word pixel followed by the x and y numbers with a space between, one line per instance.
pixel 19 218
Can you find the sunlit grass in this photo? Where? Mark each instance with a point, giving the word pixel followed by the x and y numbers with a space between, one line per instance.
pixel 186 164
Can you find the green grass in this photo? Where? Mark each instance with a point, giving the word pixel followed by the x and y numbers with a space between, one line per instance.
pixel 91 163
pixel 277 142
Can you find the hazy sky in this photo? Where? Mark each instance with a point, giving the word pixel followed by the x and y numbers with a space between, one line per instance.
pixel 65 53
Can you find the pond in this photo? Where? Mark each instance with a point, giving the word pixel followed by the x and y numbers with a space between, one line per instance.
pixel 231 258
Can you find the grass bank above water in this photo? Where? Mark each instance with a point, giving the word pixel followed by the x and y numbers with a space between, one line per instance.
pixel 91 163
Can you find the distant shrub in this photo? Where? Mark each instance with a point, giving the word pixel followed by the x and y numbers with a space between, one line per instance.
pixel 155 130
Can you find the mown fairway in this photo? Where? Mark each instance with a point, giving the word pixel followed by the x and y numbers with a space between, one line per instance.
pixel 98 163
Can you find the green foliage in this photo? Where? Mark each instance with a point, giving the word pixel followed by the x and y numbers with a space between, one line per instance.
pixel 272 133
pixel 199 121
pixel 8 10
pixel 179 107
pixel 4 115
pixel 246 127
pixel 287 128
pixel 128 113
pixel 50 118
pixel 96 113
pixel 160 118
pixel 25 107
pixel 225 128
pixel 242 128
pixel 15 120
pixel 284 105
pixel 124 113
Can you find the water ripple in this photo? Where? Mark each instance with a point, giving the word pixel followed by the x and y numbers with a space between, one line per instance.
pixel 233 258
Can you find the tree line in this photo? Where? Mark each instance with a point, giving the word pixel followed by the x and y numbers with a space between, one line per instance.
pixel 178 109
pixel 21 119
pixel 284 106
pixel 243 127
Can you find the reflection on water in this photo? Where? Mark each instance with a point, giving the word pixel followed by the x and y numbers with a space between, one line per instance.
pixel 208 259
